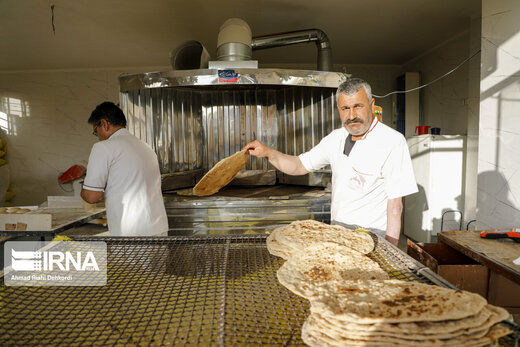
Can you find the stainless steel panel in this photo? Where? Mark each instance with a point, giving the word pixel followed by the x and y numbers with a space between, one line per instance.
pixel 206 77
pixel 193 129
pixel 178 180
pixel 243 209
pixel 170 121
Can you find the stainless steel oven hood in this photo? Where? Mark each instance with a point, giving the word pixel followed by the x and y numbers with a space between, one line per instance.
pixel 194 118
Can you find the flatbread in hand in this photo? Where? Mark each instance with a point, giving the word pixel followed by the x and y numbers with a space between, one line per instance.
pixel 221 174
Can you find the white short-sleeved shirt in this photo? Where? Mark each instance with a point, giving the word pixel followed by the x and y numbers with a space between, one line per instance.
pixel 127 170
pixel 378 168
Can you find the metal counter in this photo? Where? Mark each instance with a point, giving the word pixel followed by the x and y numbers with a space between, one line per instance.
pixel 245 210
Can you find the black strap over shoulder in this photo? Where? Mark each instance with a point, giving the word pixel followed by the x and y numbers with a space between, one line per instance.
pixel 349 144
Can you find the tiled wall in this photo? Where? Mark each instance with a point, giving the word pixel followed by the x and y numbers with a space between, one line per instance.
pixel 444 103
pixel 45 116
pixel 470 192
pixel 498 202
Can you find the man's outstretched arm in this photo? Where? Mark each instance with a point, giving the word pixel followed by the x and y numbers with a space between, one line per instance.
pixel 289 164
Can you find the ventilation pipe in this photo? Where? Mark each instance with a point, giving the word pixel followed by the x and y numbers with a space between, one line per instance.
pixel 189 55
pixel 236 44
pixel 301 36
pixel 234 41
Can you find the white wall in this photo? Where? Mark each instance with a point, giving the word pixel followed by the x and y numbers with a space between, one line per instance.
pixel 412 103
pixel 444 103
pixel 45 116
pixel 471 181
pixel 453 103
pixel 499 126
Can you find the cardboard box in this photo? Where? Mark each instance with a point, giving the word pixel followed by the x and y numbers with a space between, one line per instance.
pixel 504 292
pixel 455 267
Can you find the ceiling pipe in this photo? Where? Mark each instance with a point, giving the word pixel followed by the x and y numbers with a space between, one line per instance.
pixel 301 36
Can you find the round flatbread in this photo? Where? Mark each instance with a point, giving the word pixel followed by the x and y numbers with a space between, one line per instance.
pixel 393 301
pixel 478 328
pixel 301 234
pixel 315 334
pixel 326 262
pixel 487 317
pixel 221 174
pixel 275 248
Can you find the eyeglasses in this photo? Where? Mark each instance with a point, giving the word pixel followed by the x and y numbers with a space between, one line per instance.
pixel 95 130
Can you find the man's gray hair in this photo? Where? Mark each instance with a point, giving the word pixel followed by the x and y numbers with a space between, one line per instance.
pixel 352 85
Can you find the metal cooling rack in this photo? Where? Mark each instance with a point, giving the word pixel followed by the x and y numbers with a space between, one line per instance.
pixel 400 266
pixel 219 290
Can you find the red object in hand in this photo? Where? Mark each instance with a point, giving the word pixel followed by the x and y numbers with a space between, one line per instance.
pixel 501 234
pixel 422 129
pixel 73 173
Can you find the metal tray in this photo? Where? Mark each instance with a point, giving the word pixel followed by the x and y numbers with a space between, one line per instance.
pixel 218 290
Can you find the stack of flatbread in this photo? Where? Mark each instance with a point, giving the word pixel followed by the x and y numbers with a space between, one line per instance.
pixel 354 303
pixel 394 312
pixel 298 235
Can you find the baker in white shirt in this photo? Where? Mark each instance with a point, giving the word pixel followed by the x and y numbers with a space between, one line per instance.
pixel 127 171
pixel 370 162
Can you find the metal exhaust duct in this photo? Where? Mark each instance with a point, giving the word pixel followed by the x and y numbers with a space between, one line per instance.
pixel 234 41
pixel 301 36
pixel 236 44
pixel 189 55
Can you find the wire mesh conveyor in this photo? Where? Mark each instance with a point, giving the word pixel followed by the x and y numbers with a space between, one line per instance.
pixel 219 290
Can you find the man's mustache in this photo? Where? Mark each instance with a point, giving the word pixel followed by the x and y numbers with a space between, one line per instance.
pixel 355 120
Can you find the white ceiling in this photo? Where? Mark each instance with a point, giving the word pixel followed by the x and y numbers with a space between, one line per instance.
pixel 124 33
